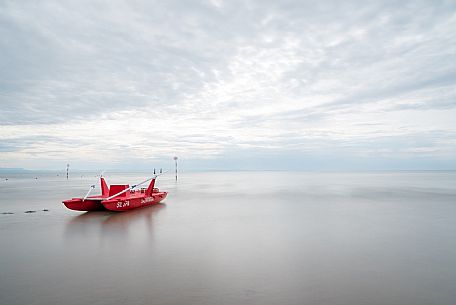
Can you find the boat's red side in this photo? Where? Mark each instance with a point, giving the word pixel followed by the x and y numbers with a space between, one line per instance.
pixel 133 200
pixel 87 205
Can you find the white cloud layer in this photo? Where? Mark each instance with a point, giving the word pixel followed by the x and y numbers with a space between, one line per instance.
pixel 228 84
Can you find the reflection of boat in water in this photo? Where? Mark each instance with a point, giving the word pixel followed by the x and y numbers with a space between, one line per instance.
pixel 118 197
pixel 123 220
pixel 107 223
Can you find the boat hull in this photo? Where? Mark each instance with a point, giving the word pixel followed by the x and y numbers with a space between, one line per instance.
pixel 129 203
pixel 77 204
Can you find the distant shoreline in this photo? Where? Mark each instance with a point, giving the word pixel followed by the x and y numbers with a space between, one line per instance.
pixel 4 171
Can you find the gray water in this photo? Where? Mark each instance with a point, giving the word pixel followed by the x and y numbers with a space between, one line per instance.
pixel 234 238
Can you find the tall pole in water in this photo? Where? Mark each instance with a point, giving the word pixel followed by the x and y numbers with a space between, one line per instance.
pixel 68 167
pixel 175 163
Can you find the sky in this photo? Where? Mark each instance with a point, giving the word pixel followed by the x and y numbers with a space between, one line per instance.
pixel 231 85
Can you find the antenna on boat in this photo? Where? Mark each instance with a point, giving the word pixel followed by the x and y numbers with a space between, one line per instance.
pixel 92 187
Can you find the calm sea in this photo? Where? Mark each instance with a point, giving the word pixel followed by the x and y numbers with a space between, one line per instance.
pixel 234 238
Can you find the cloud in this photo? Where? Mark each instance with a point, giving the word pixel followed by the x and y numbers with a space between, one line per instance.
pixel 214 79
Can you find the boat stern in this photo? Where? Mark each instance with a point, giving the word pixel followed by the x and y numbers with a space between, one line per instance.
pixel 78 204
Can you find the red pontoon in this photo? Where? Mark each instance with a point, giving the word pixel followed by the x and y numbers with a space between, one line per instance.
pixel 118 197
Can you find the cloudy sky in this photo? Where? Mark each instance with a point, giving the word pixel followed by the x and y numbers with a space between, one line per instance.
pixel 228 84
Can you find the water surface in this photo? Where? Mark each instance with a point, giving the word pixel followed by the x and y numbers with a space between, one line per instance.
pixel 234 238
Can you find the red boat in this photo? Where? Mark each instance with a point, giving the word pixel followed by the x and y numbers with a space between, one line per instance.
pixel 118 197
